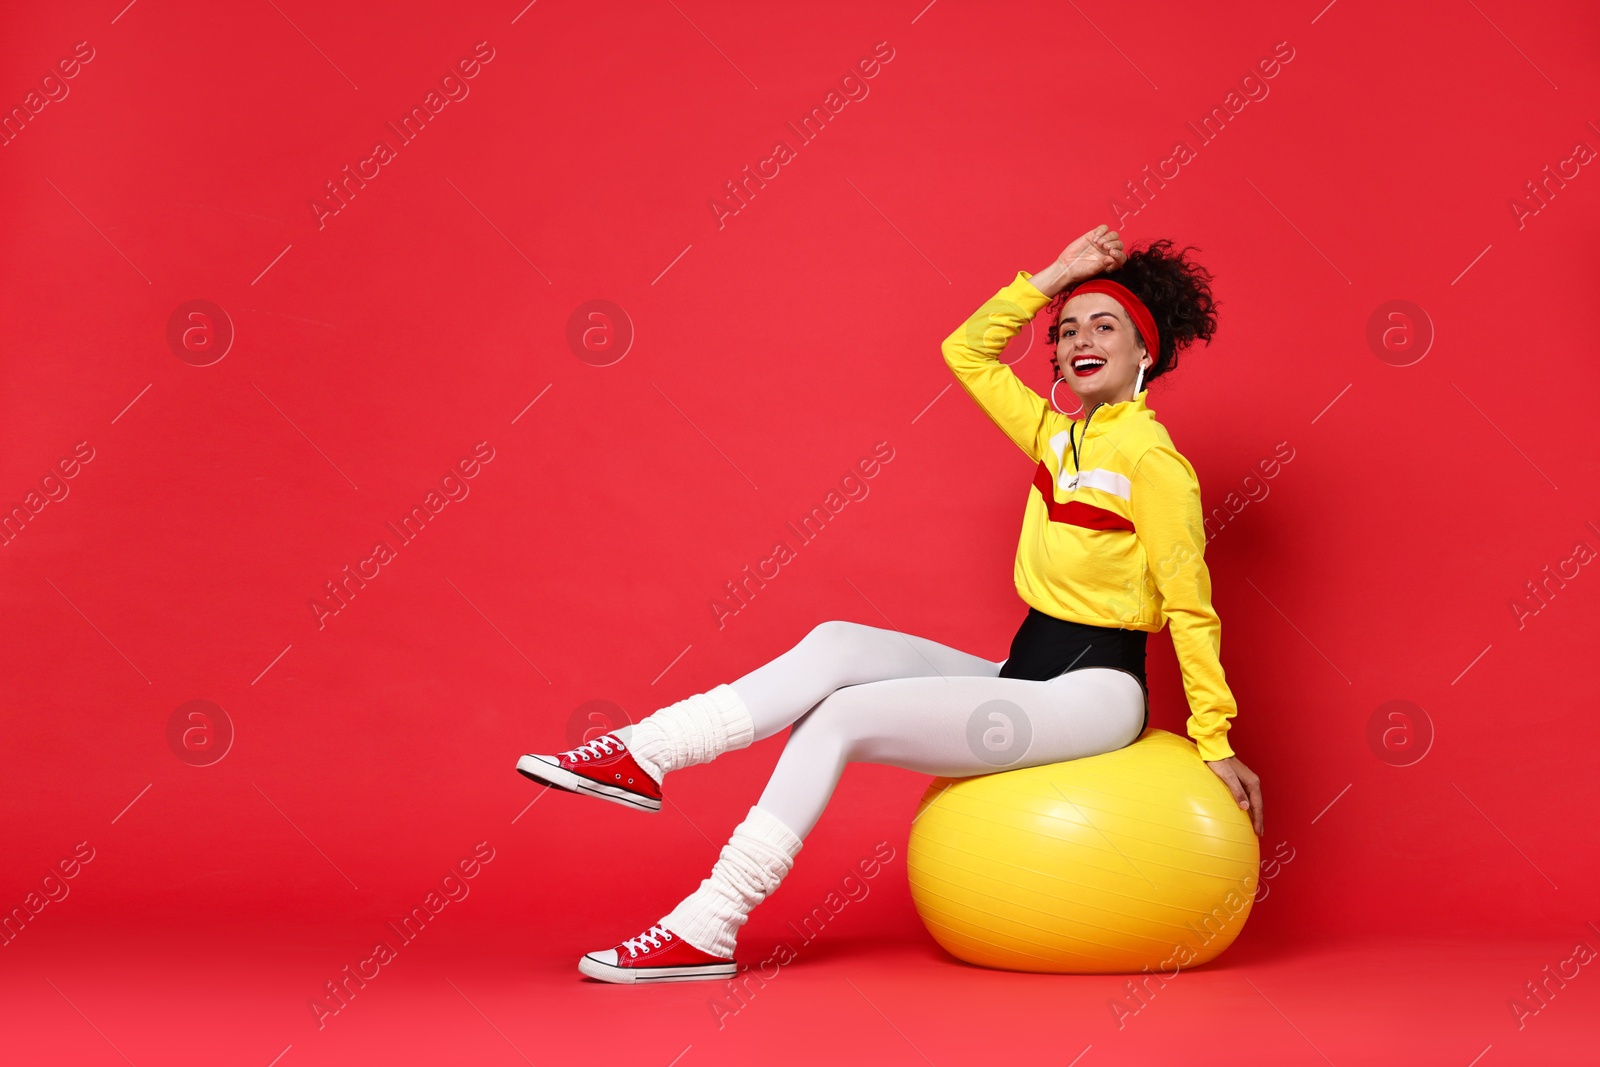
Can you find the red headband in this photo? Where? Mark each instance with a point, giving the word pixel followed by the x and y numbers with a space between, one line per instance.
pixel 1132 305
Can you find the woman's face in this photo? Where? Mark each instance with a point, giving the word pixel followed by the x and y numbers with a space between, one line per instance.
pixel 1094 327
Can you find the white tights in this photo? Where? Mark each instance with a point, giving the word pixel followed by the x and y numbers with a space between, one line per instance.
pixel 859 693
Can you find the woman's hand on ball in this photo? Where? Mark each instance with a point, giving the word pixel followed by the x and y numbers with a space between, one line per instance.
pixel 1245 787
pixel 1099 249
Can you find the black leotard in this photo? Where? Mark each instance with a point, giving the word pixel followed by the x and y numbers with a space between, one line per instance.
pixel 1045 647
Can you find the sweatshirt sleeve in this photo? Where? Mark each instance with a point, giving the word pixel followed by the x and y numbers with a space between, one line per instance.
pixel 973 351
pixel 1169 522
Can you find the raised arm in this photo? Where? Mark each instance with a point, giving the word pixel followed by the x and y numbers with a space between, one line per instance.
pixel 973 353
pixel 1099 249
pixel 973 350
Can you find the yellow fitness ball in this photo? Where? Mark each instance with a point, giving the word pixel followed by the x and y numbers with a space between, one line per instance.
pixel 1103 865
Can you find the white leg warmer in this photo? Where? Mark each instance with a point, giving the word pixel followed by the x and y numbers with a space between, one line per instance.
pixel 752 863
pixel 695 730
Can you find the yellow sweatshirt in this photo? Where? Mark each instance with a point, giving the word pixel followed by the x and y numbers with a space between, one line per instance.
pixel 1120 542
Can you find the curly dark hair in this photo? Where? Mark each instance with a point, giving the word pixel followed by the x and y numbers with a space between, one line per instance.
pixel 1177 292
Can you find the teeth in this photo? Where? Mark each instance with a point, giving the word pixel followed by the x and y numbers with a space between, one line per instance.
pixel 1088 361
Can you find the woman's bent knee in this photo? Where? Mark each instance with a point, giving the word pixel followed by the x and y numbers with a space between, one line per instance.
pixel 848 651
pixel 840 632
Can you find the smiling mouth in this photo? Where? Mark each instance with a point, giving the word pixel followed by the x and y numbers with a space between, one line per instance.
pixel 1083 366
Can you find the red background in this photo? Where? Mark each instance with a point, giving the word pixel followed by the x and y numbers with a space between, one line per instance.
pixel 770 353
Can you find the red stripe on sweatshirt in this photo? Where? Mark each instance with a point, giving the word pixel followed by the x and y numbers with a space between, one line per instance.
pixel 1075 512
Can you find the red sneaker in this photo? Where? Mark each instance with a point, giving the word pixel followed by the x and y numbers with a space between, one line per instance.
pixel 602 768
pixel 657 955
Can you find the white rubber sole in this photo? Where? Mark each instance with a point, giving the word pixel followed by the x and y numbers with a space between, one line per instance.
pixel 531 766
pixel 606 972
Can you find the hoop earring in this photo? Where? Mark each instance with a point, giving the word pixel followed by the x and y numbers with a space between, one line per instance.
pixel 1068 414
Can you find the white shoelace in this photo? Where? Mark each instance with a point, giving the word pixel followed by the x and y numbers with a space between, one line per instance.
pixel 600 746
pixel 654 935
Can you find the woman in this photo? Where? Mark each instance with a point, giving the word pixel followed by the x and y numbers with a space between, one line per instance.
pixel 1111 548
